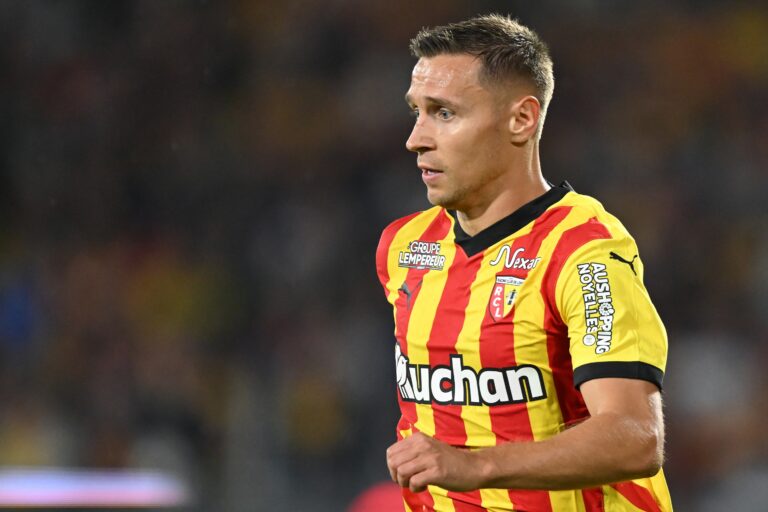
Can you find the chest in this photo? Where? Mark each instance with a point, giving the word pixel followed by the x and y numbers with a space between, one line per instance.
pixel 490 308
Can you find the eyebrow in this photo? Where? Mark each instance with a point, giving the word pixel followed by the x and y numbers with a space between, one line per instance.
pixel 433 99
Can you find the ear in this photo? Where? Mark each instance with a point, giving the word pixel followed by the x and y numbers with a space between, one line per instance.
pixel 524 119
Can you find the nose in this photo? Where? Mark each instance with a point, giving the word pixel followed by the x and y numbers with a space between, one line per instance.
pixel 420 140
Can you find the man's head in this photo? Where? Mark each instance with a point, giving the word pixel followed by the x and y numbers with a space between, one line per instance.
pixel 479 92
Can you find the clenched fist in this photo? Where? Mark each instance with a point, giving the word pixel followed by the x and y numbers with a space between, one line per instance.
pixel 418 461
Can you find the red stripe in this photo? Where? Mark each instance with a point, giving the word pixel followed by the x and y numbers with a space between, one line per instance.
pixel 511 423
pixel 638 496
pixel 593 499
pixel 497 344
pixel 508 422
pixel 558 346
pixel 446 326
pixel 497 350
pixel 419 502
pixel 382 251
pixel 569 242
pixel 437 230
pixel 466 501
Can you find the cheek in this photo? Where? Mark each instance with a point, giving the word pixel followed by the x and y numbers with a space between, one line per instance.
pixel 489 148
pixel 463 145
pixel 475 153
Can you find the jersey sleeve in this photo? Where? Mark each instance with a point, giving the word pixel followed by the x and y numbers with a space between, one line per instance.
pixel 613 327
pixel 382 253
pixel 382 250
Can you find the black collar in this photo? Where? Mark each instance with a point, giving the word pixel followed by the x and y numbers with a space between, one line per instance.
pixel 509 224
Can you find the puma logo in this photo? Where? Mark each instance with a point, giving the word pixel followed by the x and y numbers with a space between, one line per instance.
pixel 408 292
pixel 631 264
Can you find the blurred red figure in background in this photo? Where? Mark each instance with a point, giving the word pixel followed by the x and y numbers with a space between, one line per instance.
pixel 381 497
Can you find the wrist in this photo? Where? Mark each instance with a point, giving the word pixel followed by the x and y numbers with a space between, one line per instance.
pixel 485 468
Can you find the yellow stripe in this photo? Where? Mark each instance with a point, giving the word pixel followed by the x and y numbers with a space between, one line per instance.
pixel 410 231
pixel 660 490
pixel 407 432
pixel 616 502
pixel 407 508
pixel 657 486
pixel 530 342
pixel 397 275
pixel 581 505
pixel 545 416
pixel 567 500
pixel 496 500
pixel 477 418
pixel 420 326
pixel 440 496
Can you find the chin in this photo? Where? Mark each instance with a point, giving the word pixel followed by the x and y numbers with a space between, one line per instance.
pixel 437 197
pixel 449 203
pixel 436 201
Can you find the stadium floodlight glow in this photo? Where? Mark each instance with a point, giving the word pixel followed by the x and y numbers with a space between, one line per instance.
pixel 69 487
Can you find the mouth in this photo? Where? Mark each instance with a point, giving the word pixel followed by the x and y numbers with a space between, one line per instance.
pixel 430 176
pixel 429 171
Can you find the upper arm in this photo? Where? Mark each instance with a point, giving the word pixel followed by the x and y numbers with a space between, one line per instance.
pixel 635 398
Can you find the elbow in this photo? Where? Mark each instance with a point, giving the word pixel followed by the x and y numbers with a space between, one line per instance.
pixel 655 457
pixel 651 465
pixel 649 454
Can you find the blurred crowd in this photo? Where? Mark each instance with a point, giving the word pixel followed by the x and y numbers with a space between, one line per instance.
pixel 191 194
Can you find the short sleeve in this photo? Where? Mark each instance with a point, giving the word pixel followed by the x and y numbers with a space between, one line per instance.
pixel 613 327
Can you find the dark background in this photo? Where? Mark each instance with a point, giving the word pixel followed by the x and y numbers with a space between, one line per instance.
pixel 191 194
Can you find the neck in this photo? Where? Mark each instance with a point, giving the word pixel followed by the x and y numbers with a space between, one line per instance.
pixel 521 185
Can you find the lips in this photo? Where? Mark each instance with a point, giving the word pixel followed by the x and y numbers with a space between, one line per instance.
pixel 429 171
pixel 429 174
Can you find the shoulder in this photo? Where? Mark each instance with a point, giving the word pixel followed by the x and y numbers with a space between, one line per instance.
pixel 588 233
pixel 418 226
pixel 413 225
pixel 589 223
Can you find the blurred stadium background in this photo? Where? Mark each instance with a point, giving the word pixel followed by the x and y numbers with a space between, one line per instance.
pixel 191 194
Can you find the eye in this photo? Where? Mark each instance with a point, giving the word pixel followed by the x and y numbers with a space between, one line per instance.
pixel 444 114
pixel 415 113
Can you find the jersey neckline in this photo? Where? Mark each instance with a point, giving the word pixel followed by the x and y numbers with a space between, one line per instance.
pixel 513 222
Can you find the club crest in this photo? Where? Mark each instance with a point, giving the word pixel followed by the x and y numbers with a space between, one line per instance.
pixel 503 296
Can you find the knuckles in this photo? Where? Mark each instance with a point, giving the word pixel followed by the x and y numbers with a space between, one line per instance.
pixel 432 457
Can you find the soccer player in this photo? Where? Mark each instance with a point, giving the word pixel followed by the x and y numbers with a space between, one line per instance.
pixel 529 358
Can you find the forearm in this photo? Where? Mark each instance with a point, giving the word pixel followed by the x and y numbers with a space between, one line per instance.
pixel 603 449
pixel 622 440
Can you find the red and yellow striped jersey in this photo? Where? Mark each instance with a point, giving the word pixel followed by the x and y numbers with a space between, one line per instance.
pixel 496 332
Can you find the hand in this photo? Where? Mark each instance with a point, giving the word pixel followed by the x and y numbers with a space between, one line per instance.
pixel 419 460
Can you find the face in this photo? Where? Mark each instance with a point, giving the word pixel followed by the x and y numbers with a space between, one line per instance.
pixel 460 133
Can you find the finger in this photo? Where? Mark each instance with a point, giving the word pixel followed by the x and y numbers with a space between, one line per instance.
pixel 407 470
pixel 405 473
pixel 396 456
pixel 392 472
pixel 419 481
pixel 403 480
pixel 396 447
pixel 401 472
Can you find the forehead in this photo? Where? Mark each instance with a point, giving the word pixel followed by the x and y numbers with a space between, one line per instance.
pixel 447 73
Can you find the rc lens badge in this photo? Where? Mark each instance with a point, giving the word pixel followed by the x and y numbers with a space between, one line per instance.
pixel 503 297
